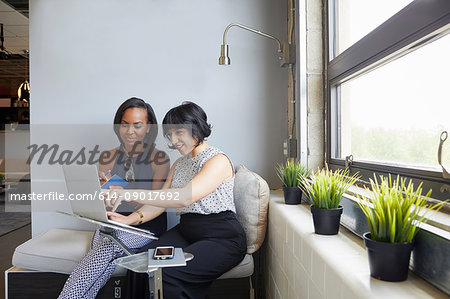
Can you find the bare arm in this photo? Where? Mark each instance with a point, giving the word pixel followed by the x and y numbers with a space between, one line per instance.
pixel 213 173
pixel 161 168
pixel 149 212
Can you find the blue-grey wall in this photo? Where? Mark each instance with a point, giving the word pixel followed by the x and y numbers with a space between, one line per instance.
pixel 88 56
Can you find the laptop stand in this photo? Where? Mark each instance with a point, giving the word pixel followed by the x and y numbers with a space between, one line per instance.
pixel 107 232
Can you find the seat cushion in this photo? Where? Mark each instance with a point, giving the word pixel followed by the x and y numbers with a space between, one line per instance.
pixel 57 250
pixel 251 198
pixel 244 269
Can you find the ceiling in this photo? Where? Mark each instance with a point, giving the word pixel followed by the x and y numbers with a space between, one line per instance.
pixel 14 17
pixel 21 6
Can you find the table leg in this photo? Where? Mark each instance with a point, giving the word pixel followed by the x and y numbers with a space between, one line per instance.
pixel 155 284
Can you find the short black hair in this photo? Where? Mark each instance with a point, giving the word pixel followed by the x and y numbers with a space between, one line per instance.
pixel 151 118
pixel 188 115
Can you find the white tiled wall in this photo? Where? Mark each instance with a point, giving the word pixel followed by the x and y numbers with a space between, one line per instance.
pixel 290 272
pixel 302 264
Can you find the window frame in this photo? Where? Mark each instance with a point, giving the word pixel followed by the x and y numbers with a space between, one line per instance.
pixel 413 26
pixel 417 24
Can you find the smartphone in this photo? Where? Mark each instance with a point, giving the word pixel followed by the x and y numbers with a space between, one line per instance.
pixel 163 253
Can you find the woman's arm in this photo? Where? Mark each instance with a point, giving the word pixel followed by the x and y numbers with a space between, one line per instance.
pixel 213 173
pixel 161 168
pixel 148 212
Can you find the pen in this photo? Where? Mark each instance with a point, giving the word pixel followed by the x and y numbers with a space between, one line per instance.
pixel 108 172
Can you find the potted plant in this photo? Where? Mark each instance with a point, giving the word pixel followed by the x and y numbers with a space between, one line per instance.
pixel 325 193
pixel 291 175
pixel 394 212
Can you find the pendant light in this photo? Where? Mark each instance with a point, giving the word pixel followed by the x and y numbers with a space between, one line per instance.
pixel 23 93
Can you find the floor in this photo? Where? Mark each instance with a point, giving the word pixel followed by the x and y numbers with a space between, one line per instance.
pixel 11 221
pixel 8 243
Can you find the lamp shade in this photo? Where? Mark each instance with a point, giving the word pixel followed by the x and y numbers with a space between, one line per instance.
pixel 224 59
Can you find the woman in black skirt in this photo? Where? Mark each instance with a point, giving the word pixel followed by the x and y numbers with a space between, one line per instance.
pixel 200 186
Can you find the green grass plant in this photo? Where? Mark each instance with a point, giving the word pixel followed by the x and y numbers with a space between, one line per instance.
pixel 291 173
pixel 327 187
pixel 395 209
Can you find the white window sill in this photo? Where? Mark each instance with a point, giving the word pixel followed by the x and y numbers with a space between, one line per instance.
pixel 336 266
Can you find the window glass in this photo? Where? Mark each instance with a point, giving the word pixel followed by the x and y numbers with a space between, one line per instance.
pixel 395 114
pixel 356 18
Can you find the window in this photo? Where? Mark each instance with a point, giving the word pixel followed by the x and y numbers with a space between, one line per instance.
pixel 388 101
pixel 387 88
pixel 396 113
pixel 353 22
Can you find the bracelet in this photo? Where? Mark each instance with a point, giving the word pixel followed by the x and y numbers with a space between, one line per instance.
pixel 141 216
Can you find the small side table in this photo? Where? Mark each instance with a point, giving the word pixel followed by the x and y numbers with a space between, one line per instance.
pixel 139 263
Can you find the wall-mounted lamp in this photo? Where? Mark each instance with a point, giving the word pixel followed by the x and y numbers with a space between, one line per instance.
pixel 286 55
pixel 282 49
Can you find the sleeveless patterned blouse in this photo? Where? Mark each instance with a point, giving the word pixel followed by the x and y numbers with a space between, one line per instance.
pixel 219 200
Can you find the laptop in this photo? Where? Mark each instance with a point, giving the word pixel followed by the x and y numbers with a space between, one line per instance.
pixel 82 181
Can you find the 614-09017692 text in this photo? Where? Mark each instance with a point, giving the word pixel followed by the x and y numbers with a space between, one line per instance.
pixel 135 195
pixel 151 195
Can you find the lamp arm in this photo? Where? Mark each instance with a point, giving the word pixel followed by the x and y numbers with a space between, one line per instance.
pixel 254 31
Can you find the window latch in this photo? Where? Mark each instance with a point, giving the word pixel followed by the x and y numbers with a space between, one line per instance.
pixel 445 173
pixel 348 161
pixel 444 188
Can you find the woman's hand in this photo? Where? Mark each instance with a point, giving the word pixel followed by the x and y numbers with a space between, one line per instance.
pixel 119 218
pixel 113 197
pixel 103 177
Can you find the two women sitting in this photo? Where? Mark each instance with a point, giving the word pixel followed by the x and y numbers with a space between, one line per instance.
pixel 202 179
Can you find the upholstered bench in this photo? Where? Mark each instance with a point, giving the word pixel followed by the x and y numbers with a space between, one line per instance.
pixel 50 257
pixel 58 251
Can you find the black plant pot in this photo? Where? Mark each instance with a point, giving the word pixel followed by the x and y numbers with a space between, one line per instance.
pixel 326 221
pixel 388 261
pixel 292 195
